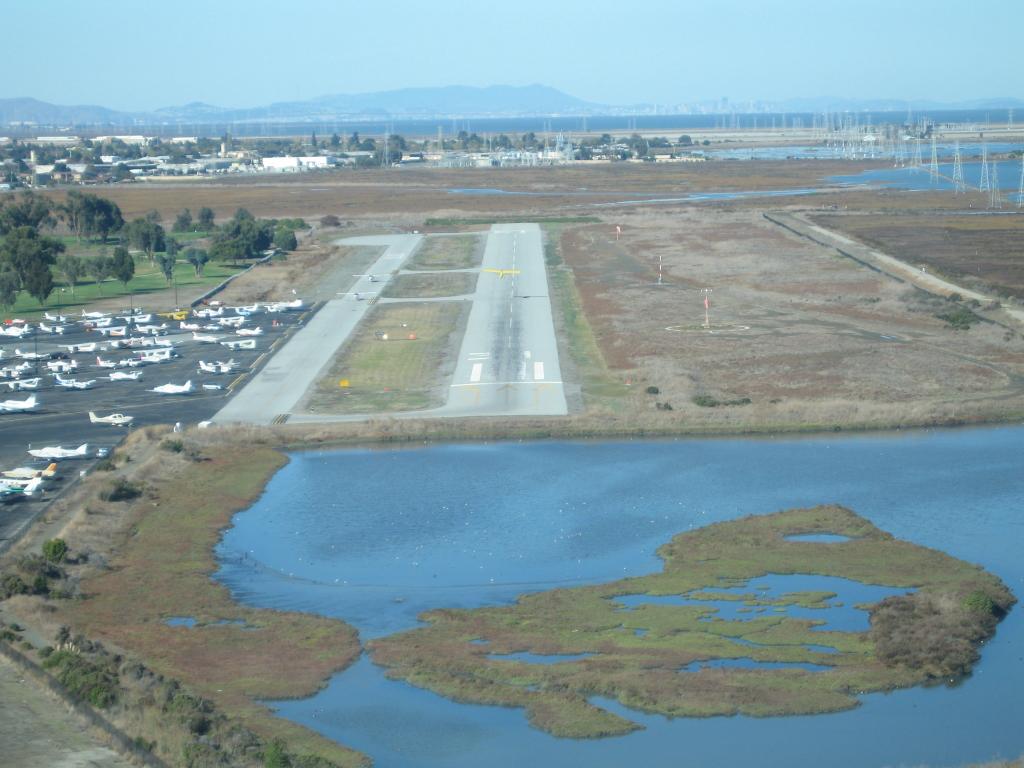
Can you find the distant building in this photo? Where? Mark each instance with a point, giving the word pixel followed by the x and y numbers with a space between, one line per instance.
pixel 295 164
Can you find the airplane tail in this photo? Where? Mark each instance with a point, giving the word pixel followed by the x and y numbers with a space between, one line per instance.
pixel 51 470
pixel 80 450
pixel 92 417
pixel 188 386
pixel 31 402
pixel 32 486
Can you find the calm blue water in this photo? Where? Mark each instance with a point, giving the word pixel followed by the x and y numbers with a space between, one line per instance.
pixel 375 537
pixel 538 658
pixel 818 538
pixel 748 663
pixel 918 178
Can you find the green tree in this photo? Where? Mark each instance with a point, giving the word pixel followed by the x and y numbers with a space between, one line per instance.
pixel 9 285
pixel 166 263
pixel 197 258
pixel 172 246
pixel 285 240
pixel 26 210
pixel 76 210
pixel 335 140
pixel 183 222
pixel 122 266
pixel 39 282
pixel 205 219
pixel 107 218
pixel 100 267
pixel 146 235
pixel 242 238
pixel 274 756
pixel 71 269
pixel 55 550
pixel 23 249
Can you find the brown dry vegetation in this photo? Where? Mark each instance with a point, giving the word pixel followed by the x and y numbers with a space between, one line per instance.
pixel 980 251
pixel 829 342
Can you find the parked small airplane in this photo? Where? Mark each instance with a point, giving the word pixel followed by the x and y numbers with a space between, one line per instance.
pixel 138 319
pixel 210 312
pixel 73 383
pixel 244 310
pixel 189 326
pixel 282 306
pixel 179 314
pixel 31 355
pixel 153 330
pixel 58 329
pixel 100 322
pixel 101 363
pixel 236 321
pixel 21 384
pixel 12 489
pixel 17 331
pixel 15 406
pixel 217 367
pixel 240 344
pixel 249 332
pixel 212 386
pixel 122 376
pixel 94 315
pixel 89 347
pixel 129 363
pixel 55 318
pixel 114 419
pixel 28 473
pixel 57 452
pixel 62 366
pixel 161 355
pixel 204 338
pixel 173 389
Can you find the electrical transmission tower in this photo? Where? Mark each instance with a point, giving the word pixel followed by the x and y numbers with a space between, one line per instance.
pixel 958 170
pixel 1020 187
pixel 984 184
pixel 933 168
pixel 917 154
pixel 995 200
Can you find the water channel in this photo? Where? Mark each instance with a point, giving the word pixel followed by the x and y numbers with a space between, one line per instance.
pixel 376 536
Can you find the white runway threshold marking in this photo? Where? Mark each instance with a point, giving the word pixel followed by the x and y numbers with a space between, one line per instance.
pixel 538 371
pixel 477 371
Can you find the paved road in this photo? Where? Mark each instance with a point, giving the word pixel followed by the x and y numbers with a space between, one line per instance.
pixel 276 390
pixel 508 362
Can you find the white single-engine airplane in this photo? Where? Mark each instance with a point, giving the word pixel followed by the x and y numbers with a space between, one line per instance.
pixel 101 363
pixel 57 452
pixel 58 329
pixel 123 376
pixel 15 406
pixel 73 383
pixel 12 489
pixel 240 344
pixel 31 355
pixel 282 306
pixel 204 339
pixel 17 331
pixel 173 389
pixel 249 332
pixel 20 384
pixel 89 347
pixel 94 315
pixel 114 419
pixel 189 326
pixel 55 318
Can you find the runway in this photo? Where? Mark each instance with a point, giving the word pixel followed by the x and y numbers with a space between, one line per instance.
pixel 508 361
pixel 276 390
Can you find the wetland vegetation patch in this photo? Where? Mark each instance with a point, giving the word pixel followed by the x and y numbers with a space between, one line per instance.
pixel 721 630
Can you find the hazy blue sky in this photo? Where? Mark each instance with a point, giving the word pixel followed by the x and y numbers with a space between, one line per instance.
pixel 136 54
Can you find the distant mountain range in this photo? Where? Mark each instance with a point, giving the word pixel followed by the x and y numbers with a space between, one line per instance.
pixel 448 101
pixel 455 101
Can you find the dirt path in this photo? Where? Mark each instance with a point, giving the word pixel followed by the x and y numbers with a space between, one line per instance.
pixel 36 730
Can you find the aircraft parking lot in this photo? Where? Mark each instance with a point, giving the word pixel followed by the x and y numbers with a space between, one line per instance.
pixel 61 417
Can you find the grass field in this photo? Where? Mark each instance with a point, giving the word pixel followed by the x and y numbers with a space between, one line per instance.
pixel 148 280
pixel 434 285
pixel 637 656
pixel 397 374
pixel 448 252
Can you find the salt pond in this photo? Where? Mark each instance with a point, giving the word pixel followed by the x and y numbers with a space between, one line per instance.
pixel 376 536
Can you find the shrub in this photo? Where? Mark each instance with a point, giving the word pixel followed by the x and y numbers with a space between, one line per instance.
pixel 707 401
pixel 84 679
pixel 330 220
pixel 960 319
pixel 173 445
pixel 980 603
pixel 652 390
pixel 274 756
pixel 105 465
pixel 11 584
pixel 121 490
pixel 55 550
